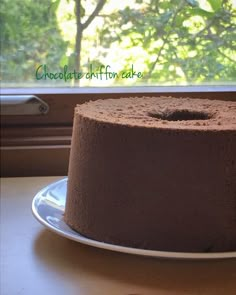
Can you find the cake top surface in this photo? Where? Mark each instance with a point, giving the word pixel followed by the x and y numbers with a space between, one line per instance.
pixel 163 112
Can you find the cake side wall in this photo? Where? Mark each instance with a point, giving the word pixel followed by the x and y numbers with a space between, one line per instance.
pixel 153 188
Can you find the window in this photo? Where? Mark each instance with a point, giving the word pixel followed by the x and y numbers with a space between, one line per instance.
pixel 118 43
pixel 67 51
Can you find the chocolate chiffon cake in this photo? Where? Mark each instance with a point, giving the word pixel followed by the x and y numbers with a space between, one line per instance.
pixel 154 173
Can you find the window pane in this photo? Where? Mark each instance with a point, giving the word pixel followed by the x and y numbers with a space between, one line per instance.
pixel 117 43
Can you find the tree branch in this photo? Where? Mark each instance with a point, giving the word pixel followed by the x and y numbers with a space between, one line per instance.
pixel 207 27
pixel 99 6
pixel 78 12
pixel 80 27
pixel 165 40
pixel 79 32
pixel 223 54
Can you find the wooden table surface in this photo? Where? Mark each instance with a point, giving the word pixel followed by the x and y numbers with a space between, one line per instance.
pixel 37 261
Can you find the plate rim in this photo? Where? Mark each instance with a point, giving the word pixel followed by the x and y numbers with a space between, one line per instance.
pixel 77 237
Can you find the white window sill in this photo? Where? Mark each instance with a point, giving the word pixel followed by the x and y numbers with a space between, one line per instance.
pixel 138 89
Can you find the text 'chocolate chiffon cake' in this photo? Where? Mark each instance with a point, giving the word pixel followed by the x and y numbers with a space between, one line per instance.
pixel 154 173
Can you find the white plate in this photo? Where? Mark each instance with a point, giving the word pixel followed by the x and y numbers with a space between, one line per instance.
pixel 48 207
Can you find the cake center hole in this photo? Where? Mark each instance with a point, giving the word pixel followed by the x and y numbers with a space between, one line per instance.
pixel 180 115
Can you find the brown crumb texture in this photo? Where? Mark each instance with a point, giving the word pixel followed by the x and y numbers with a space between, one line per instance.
pixel 181 113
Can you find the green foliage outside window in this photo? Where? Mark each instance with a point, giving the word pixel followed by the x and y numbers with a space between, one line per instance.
pixel 171 42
